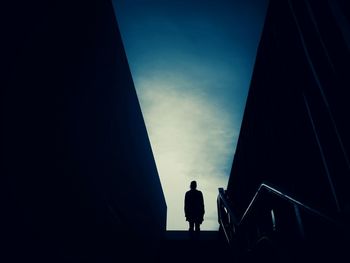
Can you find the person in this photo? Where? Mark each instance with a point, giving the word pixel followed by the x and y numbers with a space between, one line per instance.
pixel 194 208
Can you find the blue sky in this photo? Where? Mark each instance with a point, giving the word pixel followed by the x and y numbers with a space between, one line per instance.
pixel 191 63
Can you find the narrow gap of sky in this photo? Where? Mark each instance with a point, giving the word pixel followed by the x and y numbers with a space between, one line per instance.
pixel 191 62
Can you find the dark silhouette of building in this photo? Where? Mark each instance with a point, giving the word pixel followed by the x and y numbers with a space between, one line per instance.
pixel 295 131
pixel 295 127
pixel 78 177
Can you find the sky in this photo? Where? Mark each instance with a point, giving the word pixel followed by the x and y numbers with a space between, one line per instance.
pixel 191 63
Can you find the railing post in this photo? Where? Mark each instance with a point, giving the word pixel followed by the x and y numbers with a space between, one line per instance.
pixel 299 221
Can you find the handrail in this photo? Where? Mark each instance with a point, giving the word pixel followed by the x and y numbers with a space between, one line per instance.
pixel 270 190
pixel 286 197
pixel 227 206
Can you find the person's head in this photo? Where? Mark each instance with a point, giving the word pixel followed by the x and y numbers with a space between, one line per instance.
pixel 193 185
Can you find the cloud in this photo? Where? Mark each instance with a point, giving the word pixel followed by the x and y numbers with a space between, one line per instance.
pixel 192 139
pixel 191 62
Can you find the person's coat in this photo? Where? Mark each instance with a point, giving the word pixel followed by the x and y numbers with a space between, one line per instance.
pixel 194 206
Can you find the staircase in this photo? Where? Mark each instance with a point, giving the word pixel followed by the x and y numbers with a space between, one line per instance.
pixel 208 246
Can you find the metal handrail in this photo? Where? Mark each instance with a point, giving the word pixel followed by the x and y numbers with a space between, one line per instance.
pixel 227 206
pixel 272 190
pixel 269 190
pixel 228 210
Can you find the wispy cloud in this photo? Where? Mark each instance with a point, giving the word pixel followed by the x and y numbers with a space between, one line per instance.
pixel 191 62
pixel 191 138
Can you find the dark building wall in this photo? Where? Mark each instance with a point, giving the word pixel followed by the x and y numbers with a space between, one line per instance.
pixel 79 180
pixel 295 130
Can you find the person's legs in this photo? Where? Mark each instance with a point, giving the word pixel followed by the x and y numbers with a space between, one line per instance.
pixel 197 225
pixel 191 223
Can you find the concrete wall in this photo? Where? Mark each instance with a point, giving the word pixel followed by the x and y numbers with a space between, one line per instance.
pixel 295 131
pixel 79 180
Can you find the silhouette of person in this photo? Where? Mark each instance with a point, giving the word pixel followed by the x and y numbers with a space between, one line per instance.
pixel 194 207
